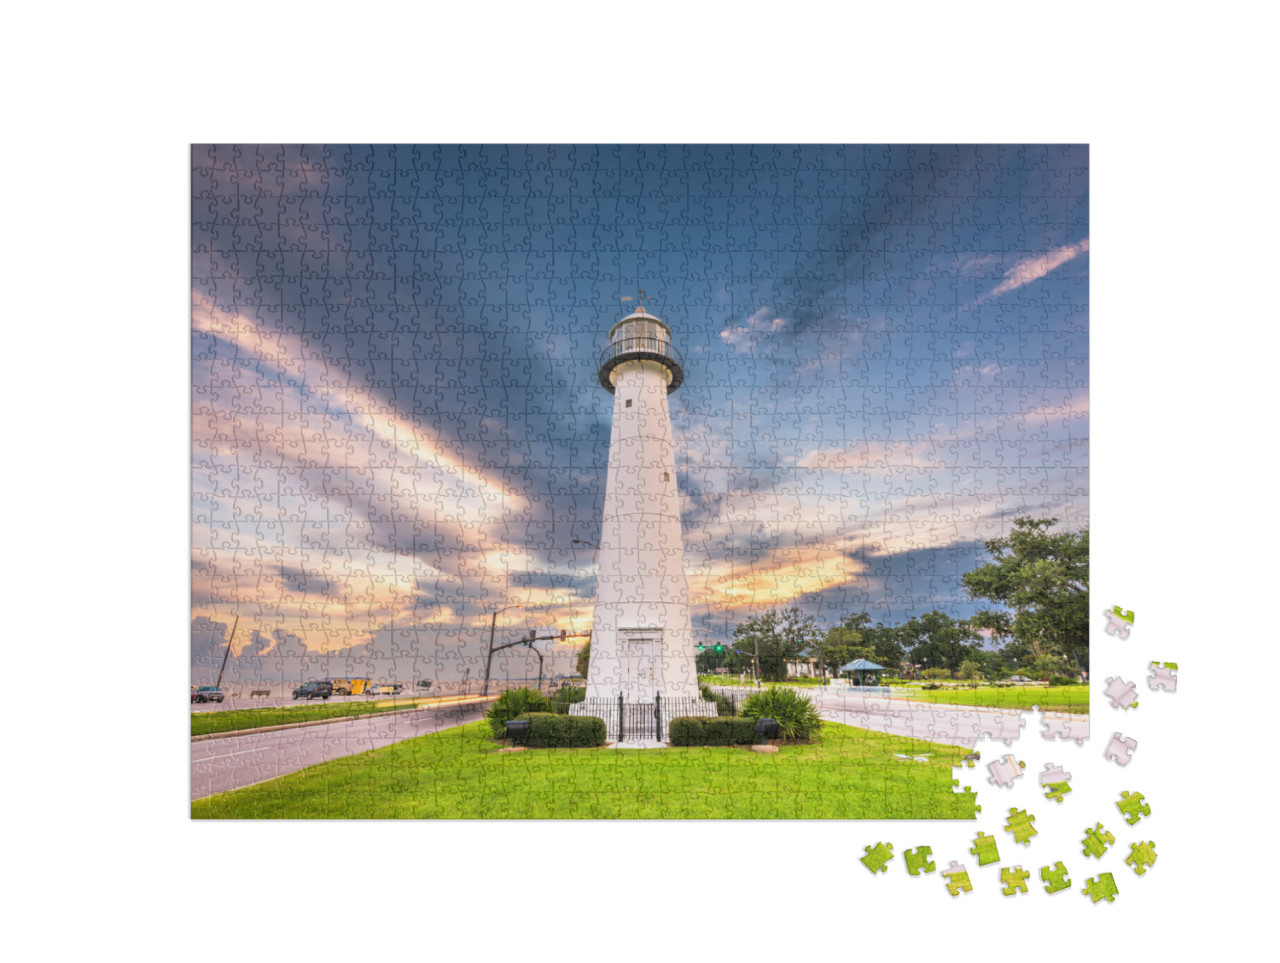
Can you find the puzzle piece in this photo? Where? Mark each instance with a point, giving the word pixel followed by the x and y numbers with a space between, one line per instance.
pixel 1133 806
pixel 1096 841
pixel 1102 886
pixel 1123 695
pixel 1056 790
pixel 957 878
pixel 1053 773
pixel 918 861
pixel 1004 771
pixel 877 859
pixel 1014 879
pixel 1021 825
pixel 1120 749
pixel 1164 675
pixel 1141 855
pixel 1116 623
pixel 984 847
pixel 1055 880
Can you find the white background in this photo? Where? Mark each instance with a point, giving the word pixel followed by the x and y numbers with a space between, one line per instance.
pixel 103 102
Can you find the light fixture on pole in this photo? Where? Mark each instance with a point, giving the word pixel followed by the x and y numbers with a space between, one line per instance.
pixel 493 625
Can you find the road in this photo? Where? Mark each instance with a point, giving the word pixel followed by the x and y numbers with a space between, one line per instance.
pixel 219 765
pixel 950 725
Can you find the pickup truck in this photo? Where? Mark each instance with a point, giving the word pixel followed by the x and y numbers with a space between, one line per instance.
pixel 313 690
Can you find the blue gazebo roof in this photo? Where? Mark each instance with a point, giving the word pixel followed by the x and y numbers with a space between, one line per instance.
pixel 860 665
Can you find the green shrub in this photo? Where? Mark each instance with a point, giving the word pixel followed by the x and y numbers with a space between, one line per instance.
pixel 550 731
pixel 796 716
pixel 686 731
pixel 512 703
pixel 1061 680
pixel 712 731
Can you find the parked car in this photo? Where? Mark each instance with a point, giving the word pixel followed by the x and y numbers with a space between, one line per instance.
pixel 313 690
pixel 207 693
pixel 385 688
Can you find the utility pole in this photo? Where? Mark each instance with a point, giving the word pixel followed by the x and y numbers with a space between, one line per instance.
pixel 228 652
pixel 493 625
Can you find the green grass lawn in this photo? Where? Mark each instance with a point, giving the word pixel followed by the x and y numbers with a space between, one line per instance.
pixel 732 680
pixel 1054 698
pixel 203 723
pixel 459 774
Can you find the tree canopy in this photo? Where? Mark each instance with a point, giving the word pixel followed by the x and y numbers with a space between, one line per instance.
pixel 1043 577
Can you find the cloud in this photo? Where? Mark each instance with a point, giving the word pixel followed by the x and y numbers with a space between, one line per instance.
pixel 744 338
pixel 1034 268
pixel 884 455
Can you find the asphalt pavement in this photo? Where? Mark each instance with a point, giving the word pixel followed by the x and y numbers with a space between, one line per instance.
pixel 219 765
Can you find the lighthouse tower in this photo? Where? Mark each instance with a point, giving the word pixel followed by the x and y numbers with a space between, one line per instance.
pixel 641 637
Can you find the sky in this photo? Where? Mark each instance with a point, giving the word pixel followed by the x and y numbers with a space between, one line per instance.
pixel 398 428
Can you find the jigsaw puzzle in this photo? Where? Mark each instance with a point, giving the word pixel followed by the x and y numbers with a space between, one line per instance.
pixel 1100 887
pixel 1134 807
pixel 1096 841
pixel 1054 781
pixel 1055 878
pixel 1021 825
pixel 877 858
pixel 1014 879
pixel 957 879
pixel 984 847
pixel 729 462
pixel 1123 695
pixel 1141 856
pixel 918 861
pixel 1120 749
pixel 1164 675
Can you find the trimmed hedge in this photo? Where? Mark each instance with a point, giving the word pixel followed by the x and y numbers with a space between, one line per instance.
pixel 713 731
pixel 512 704
pixel 550 731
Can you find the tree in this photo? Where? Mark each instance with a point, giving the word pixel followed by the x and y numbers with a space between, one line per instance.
pixel 838 646
pixel 856 638
pixel 1043 578
pixel 584 660
pixel 939 641
pixel 778 638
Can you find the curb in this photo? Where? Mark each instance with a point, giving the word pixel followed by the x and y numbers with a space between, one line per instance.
pixel 324 722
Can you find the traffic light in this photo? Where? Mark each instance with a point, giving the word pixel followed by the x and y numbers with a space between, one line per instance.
pixel 719 648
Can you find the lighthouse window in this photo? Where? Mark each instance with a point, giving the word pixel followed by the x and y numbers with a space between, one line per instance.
pixel 666 476
pixel 628 402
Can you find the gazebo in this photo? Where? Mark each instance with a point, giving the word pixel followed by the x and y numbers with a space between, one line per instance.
pixel 862 667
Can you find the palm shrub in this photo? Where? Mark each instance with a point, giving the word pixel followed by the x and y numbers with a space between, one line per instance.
pixel 795 714
pixel 512 703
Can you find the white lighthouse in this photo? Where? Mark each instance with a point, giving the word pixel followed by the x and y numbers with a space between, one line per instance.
pixel 641 637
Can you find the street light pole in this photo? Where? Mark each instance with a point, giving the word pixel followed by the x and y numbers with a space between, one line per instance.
pixel 493 625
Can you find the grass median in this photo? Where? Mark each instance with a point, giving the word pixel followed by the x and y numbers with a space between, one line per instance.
pixel 203 723
pixel 1054 698
pixel 848 773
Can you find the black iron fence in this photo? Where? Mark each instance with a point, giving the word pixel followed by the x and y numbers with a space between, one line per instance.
pixel 643 721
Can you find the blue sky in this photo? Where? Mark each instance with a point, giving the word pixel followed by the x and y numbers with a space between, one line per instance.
pixel 398 429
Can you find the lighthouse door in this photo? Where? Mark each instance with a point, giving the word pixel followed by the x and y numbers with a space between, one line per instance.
pixel 641 663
